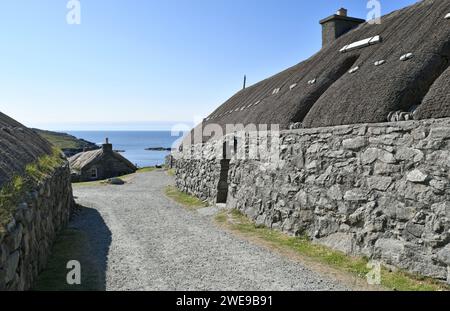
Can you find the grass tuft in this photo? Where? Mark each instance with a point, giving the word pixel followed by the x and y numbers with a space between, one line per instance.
pixel 12 192
pixel 146 169
pixel 184 199
pixel 393 280
pixel 171 172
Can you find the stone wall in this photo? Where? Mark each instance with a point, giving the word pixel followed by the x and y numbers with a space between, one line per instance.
pixel 26 245
pixel 375 190
pixel 197 172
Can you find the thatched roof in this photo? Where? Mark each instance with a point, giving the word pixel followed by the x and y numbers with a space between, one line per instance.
pixel 83 159
pixel 321 92
pixel 19 146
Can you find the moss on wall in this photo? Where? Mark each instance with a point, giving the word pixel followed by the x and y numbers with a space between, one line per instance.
pixel 12 192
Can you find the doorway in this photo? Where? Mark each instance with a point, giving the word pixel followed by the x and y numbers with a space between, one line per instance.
pixel 222 187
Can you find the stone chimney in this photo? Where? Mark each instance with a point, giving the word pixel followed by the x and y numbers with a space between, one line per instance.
pixel 107 147
pixel 342 12
pixel 336 25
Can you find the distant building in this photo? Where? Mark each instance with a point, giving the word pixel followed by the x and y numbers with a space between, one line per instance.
pixel 99 164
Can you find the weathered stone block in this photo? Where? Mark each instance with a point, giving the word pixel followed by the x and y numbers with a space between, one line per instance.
pixel 335 193
pixel 355 195
pixel 14 238
pixel 414 229
pixel 440 133
pixel 409 154
pixel 379 183
pixel 416 176
pixel 390 250
pixel 354 143
pixel 444 255
pixel 372 154
pixel 344 242
pixel 11 266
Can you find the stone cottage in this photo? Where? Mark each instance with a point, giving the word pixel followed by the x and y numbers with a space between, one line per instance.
pixel 99 164
pixel 30 215
pixel 363 158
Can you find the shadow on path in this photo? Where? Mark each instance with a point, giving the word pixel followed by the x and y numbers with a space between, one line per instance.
pixel 87 240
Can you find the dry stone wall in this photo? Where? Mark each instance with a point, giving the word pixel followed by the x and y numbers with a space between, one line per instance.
pixel 375 190
pixel 26 244
pixel 198 173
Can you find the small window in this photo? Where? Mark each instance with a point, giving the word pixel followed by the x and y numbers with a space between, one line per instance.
pixel 94 173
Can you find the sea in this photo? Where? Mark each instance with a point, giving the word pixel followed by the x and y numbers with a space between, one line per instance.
pixel 134 143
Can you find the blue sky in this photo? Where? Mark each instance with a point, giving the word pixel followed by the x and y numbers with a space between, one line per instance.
pixel 145 64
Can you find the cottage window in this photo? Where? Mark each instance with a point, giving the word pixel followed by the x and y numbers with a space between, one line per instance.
pixel 94 173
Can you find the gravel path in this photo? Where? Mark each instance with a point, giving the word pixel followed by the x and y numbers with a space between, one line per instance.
pixel 145 241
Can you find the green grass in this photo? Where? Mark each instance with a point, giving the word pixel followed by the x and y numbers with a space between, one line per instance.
pixel 171 172
pixel 393 280
pixel 63 140
pixel 69 245
pixel 146 169
pixel 12 192
pixel 184 199
pixel 124 177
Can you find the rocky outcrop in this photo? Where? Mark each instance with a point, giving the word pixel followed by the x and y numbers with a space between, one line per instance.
pixel 378 190
pixel 26 244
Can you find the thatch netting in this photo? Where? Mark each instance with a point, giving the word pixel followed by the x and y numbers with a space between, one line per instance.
pixel 368 95
pixel 19 146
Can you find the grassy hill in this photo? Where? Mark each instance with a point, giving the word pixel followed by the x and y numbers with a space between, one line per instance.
pixel 67 143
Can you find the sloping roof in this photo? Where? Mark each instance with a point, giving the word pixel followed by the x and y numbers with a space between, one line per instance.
pixel 19 146
pixel 81 160
pixel 336 97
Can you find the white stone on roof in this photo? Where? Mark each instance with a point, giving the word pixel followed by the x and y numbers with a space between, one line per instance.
pixel 293 86
pixel 361 44
pixel 379 62
pixel 312 81
pixel 406 56
pixel 447 16
pixel 354 69
pixel 276 91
